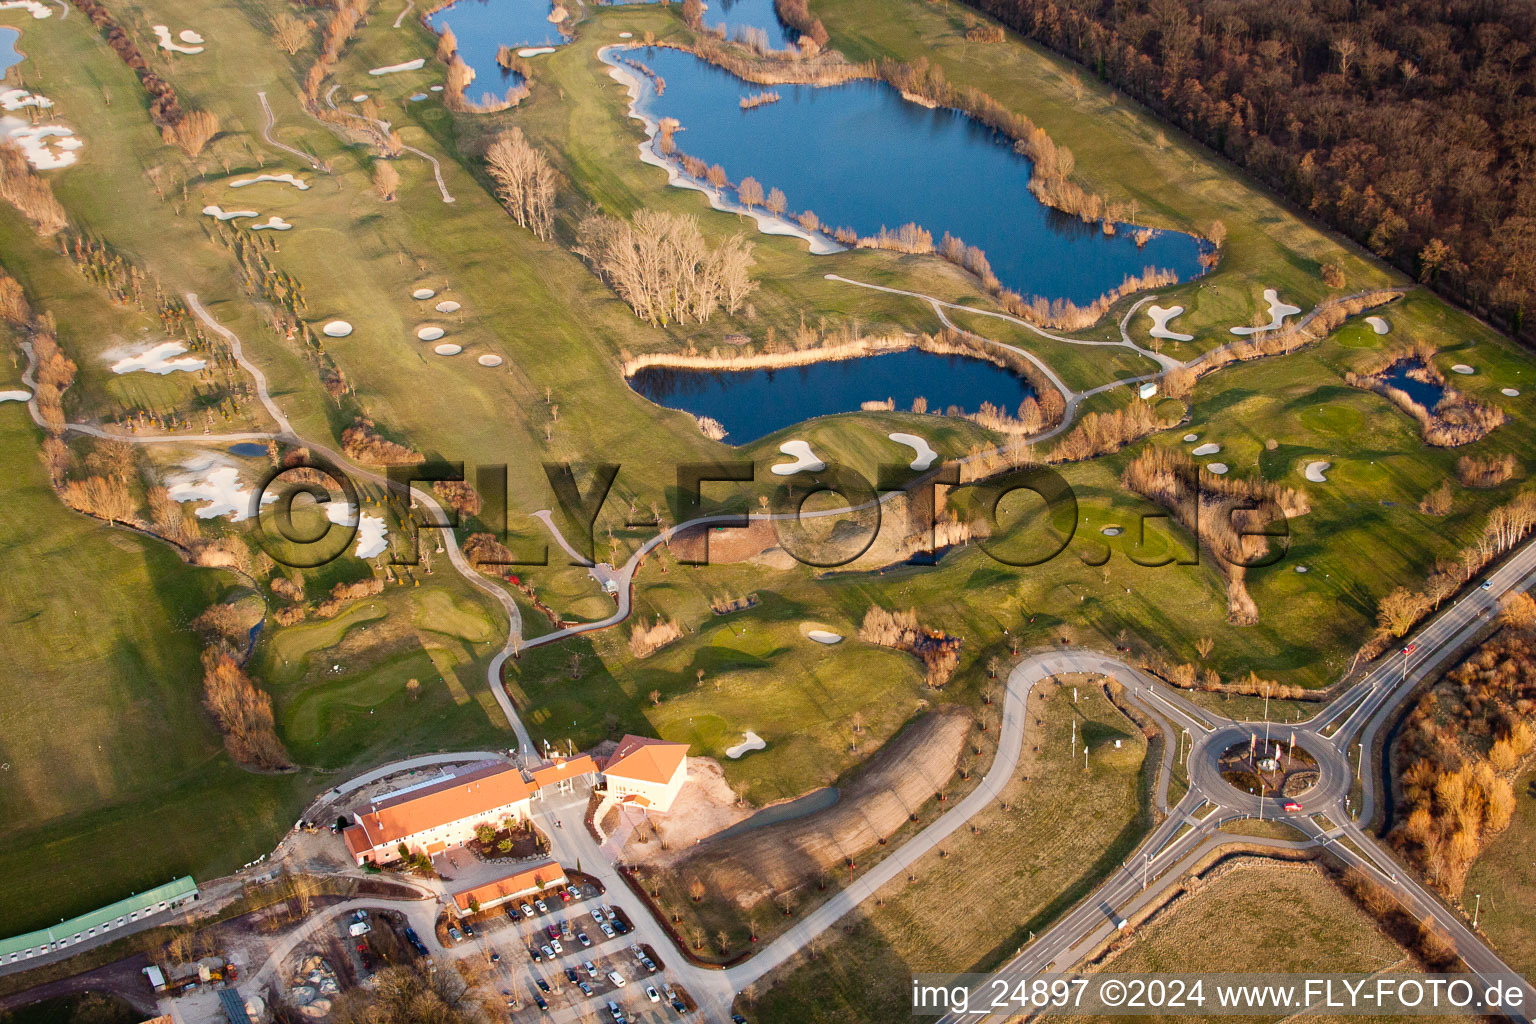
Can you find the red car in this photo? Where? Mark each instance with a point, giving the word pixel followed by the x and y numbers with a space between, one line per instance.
pixel 1292 806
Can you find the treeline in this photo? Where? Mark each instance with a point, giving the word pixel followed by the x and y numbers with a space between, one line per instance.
pixel 1407 124
pixel 525 181
pixel 1224 514
pixel 242 709
pixel 1456 419
pixel 1465 740
pixel 660 264
pixel 938 651
pixel 29 193
pixel 339 28
pixel 164 105
pixel 362 443
pixel 341 595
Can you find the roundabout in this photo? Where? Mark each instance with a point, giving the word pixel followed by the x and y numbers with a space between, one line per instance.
pixel 1236 766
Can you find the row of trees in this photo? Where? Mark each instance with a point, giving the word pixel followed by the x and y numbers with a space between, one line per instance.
pixel 362 443
pixel 525 181
pixel 1408 124
pixel 27 192
pixel 660 264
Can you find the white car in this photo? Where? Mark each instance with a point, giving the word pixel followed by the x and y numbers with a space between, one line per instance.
pixel 597 915
pixel 591 968
pixel 616 978
pixel 607 929
pixel 652 994
pixel 527 910
pixel 556 944
pixel 543 909
pixel 549 954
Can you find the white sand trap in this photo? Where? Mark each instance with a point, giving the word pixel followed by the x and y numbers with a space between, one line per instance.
pixel 448 348
pixel 1509 392
pixel 214 480
pixel 1315 470
pixel 158 359
pixel 1379 325
pixel 188 36
pixel 1160 318
pixel 489 360
pixel 359 97
pixel 46 146
pixel 417 97
pixel 273 223
pixel 750 741
pixel 163 35
pixel 1278 311
pixel 434 88
pixel 15 396
pixel 447 306
pixel 282 179
pixel 32 7
pixel 16 99
pixel 1191 438
pixel 920 448
pixel 217 212
pixel 534 51
pixel 423 293
pixel 1463 369
pixel 1219 468
pixel 429 333
pixel 370 529
pixel 1301 568
pixel 1111 531
pixel 626 35
pixel 336 329
pixel 410 65
pixel 804 459
pixel 1209 448
pixel 823 636
pixel 1147 391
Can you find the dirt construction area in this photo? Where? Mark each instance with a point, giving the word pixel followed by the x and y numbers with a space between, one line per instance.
pixel 750 867
pixel 707 806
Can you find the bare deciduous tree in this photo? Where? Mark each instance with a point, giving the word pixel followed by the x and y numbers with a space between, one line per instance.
pixel 289 33
pixel 525 181
pixel 662 266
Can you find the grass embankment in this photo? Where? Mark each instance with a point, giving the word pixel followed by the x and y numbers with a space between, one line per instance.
pixel 1064 829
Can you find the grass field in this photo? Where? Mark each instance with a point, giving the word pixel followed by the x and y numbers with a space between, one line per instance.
pixel 1505 875
pixel 128 685
pixel 1063 830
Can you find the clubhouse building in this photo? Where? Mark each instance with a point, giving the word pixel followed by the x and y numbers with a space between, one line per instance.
pixel 646 773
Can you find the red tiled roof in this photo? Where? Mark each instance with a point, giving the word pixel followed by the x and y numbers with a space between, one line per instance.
pixel 356 839
pixel 527 880
pixel 561 769
pixel 467 795
pixel 646 759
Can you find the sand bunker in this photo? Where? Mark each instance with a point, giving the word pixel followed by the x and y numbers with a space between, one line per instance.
pixel 188 36
pixel 1190 438
pixel 217 212
pixel 284 179
pixel 447 306
pixel 336 329
pixel 1160 318
pixel 417 97
pixel 626 35
pixel 805 459
pixel 427 332
pixel 215 481
pixel 359 97
pixel 1219 468
pixel 370 529
pixel 33 7
pixel 448 348
pixel 16 99
pixel 1509 392
pixel 489 360
pixel 920 448
pixel 15 396
pixel 423 293
pixel 534 51
pixel 434 88
pixel 158 359
pixel 823 636
pixel 750 741
pixel 1111 531
pixel 1278 311
pixel 1315 470
pixel 1463 369
pixel 46 146
pixel 1301 568
pixel 1378 325
pixel 410 65
pixel 163 35
pixel 273 223
pixel 1209 448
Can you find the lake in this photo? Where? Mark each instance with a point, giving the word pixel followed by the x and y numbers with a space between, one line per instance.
pixel 751 404
pixel 484 26
pixel 860 155
pixel 9 55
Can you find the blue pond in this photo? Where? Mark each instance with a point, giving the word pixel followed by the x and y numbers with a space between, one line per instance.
pixel 484 26
pixel 751 404
pixel 738 17
pixel 1423 392
pixel 9 55
pixel 248 448
pixel 860 155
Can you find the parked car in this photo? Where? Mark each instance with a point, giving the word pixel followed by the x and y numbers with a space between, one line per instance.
pixel 565 897
pixel 543 985
pixel 573 892
pixel 607 929
pixel 495 957
pixel 649 965
pixel 549 954
pixel 543 907
pixel 533 951
pixel 570 975
pixel 616 1013
pixel 410 935
pixel 652 994
pixel 469 930
pixel 526 909
pixel 586 989
pixel 597 915
pixel 556 943
pixel 737 1018
pixel 620 927
pixel 553 931
pixel 634 947
pixel 454 934
pixel 617 979
pixel 679 1005
pixel 591 968
pixel 540 1001
pixel 582 938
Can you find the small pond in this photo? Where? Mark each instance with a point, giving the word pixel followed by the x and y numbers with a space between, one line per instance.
pixel 484 26
pixel 1399 375
pixel 9 55
pixel 249 449
pixel 753 403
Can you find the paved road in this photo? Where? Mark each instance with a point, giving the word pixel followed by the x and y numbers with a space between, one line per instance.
pixel 266 133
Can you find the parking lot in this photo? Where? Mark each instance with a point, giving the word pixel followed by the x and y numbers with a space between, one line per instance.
pixel 570 953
